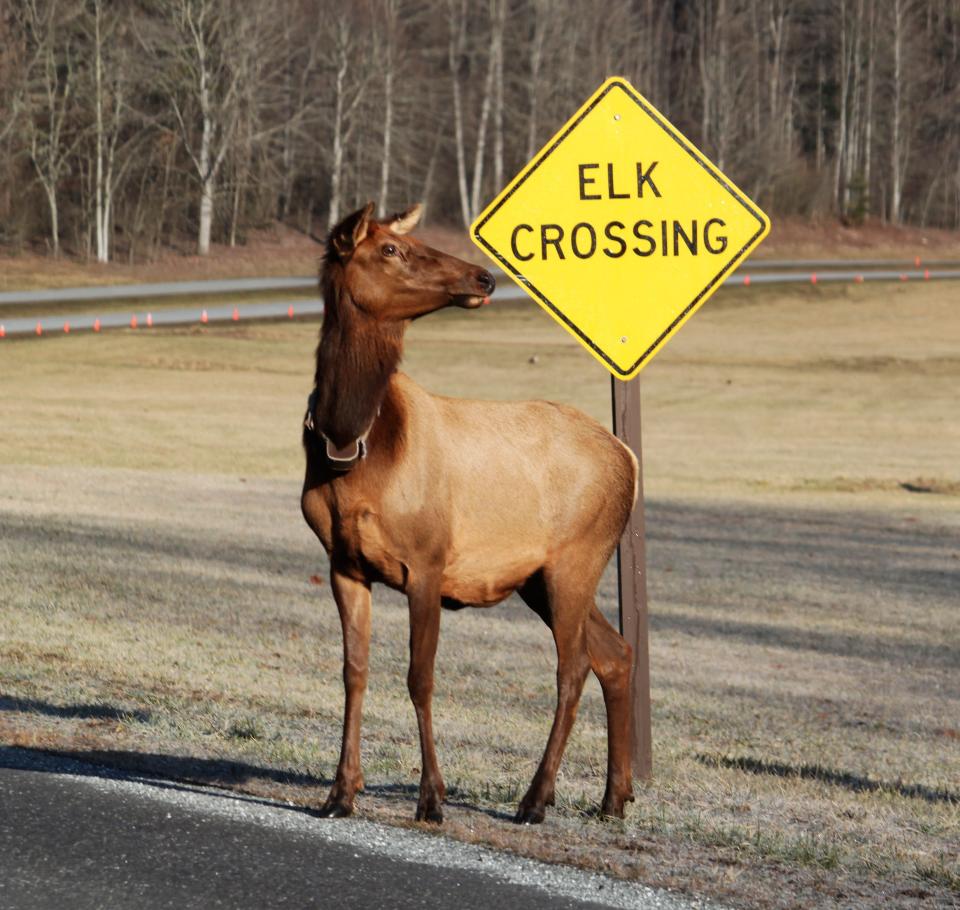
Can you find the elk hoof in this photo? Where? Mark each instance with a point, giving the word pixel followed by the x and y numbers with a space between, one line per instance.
pixel 336 808
pixel 612 808
pixel 613 804
pixel 530 815
pixel 433 814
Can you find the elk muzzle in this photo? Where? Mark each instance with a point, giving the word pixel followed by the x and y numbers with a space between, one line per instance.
pixel 485 285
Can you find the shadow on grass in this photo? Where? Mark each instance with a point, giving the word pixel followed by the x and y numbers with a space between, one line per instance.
pixel 851 781
pixel 867 647
pixel 92 712
pixel 188 771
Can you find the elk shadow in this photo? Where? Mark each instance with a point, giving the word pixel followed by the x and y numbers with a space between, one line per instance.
pixel 87 712
pixel 185 773
pixel 838 778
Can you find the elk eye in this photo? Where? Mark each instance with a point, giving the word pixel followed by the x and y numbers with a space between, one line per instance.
pixel 389 250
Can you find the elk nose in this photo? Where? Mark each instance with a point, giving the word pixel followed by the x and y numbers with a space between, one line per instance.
pixel 486 281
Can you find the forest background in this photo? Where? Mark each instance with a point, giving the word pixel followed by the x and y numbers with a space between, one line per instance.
pixel 128 127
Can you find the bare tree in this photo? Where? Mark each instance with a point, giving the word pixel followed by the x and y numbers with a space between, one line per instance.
pixel 350 78
pixel 49 97
pixel 386 58
pixel 470 188
pixel 194 64
pixel 498 16
pixel 241 112
pixel 902 15
pixel 109 91
pixel 457 21
pixel 539 11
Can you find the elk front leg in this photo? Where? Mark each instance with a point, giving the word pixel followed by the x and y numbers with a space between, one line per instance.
pixel 353 602
pixel 424 601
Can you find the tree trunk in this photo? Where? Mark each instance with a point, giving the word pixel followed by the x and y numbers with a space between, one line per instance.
pixel 206 217
pixel 54 222
pixel 820 153
pixel 456 17
pixel 336 162
pixel 235 213
pixel 497 51
pixel 485 106
pixel 205 165
pixel 103 254
pixel 896 176
pixel 206 185
pixel 841 149
pixel 390 25
pixel 871 81
pixel 387 128
pixel 536 59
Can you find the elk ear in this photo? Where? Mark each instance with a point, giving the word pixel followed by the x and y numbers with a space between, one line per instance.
pixel 350 232
pixel 405 222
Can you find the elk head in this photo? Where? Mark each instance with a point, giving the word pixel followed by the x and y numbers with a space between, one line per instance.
pixel 392 276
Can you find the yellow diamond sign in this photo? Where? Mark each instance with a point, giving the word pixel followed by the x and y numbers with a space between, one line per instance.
pixel 620 228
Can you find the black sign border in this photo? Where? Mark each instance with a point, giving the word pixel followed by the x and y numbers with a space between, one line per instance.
pixel 693 153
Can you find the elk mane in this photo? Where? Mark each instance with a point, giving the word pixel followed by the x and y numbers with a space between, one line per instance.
pixel 356 357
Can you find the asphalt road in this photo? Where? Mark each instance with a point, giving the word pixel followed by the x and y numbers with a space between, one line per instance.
pixel 47 325
pixel 157 289
pixel 78 836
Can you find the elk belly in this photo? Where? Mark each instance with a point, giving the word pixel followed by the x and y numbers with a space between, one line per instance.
pixel 616 239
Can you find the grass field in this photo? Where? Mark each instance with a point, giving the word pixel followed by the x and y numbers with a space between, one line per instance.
pixel 163 606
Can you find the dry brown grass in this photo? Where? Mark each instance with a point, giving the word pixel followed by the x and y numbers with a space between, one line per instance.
pixel 158 610
pixel 766 391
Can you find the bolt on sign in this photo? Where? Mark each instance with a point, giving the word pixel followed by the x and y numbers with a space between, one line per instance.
pixel 620 228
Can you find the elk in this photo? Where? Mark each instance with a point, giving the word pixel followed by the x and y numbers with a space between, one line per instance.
pixel 454 503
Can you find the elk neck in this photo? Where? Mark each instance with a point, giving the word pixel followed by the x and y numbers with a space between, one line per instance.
pixel 356 357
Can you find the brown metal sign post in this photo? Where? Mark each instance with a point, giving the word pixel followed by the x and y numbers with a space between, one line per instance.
pixel 632 579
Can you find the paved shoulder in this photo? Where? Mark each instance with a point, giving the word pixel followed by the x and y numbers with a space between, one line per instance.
pixel 77 835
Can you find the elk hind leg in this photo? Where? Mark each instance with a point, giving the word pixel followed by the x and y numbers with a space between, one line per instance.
pixel 568 623
pixel 610 660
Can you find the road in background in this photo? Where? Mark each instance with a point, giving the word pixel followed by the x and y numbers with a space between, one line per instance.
pixel 142 319
pixel 783 271
pixel 159 289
